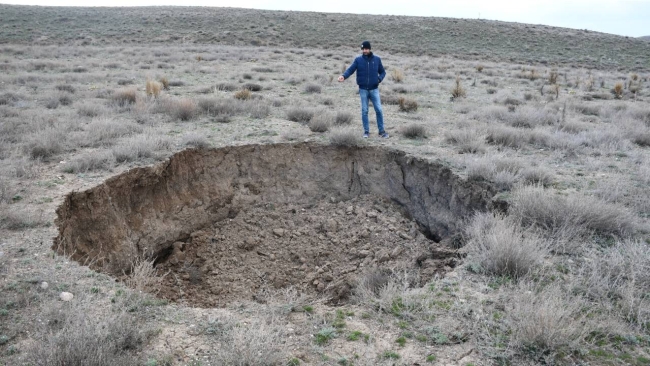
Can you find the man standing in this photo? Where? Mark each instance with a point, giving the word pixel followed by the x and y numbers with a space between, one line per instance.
pixel 370 72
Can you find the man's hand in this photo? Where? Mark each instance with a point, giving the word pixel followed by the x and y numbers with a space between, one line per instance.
pixel 341 78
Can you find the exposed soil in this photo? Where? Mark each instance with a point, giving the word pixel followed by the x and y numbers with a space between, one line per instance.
pixel 316 248
pixel 235 221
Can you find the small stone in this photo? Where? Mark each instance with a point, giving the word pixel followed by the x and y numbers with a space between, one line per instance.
pixel 372 214
pixel 349 210
pixel 405 236
pixel 279 232
pixel 44 285
pixel 66 296
pixel 331 225
pixel 396 252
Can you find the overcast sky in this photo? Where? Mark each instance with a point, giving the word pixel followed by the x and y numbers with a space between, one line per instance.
pixel 624 17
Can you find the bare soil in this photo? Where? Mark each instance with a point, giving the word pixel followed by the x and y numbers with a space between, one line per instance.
pixel 318 249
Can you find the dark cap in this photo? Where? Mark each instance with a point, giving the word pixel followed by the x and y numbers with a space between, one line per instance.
pixel 365 44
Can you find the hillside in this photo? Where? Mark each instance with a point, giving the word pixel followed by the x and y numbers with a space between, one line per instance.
pixel 465 38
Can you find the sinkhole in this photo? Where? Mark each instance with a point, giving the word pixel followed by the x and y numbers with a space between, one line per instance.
pixel 227 224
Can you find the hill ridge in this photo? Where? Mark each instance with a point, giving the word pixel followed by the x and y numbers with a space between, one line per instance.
pixel 478 39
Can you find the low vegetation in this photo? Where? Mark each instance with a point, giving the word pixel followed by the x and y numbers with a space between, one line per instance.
pixel 555 272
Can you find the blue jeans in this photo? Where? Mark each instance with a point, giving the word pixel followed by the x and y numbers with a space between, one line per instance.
pixel 371 95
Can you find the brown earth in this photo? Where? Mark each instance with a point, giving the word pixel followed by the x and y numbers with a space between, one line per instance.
pixel 207 215
pixel 320 248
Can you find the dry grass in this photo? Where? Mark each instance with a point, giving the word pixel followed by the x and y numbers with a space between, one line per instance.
pixel 467 141
pixel 618 90
pixel 243 94
pixel 343 118
pixel 140 147
pixel 183 109
pixel 619 279
pixel 345 137
pixel 251 343
pixel 321 122
pixel 414 131
pixel 72 336
pixel 407 105
pixel 313 89
pixel 195 140
pixel 572 216
pixel 302 115
pixel 458 91
pixel 501 247
pixel 547 320
pixel 124 97
pixel 96 160
pixel 397 75
pixel 153 88
pixel 143 276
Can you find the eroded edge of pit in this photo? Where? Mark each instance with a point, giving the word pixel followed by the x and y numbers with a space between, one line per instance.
pixel 143 211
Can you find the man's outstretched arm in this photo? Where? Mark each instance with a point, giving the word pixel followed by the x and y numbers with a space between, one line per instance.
pixel 349 71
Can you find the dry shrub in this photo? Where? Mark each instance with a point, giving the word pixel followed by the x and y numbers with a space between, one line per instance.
pixel 140 147
pixel 414 131
pixel 195 139
pixel 89 109
pixel 552 77
pixel 153 88
pixel 243 94
pixel 344 137
pixel 143 276
pixel 618 90
pixel 458 91
pixel 164 82
pixel 390 99
pixel 618 278
pixel 537 176
pixel 501 247
pixel 407 105
pixel 397 75
pixel 223 109
pixel 73 335
pixel 66 88
pixel 505 136
pixel 183 109
pixel 642 138
pixel 259 110
pixel 566 218
pixel 468 141
pixel 252 87
pixel 46 143
pixel 251 343
pixel 343 118
pixel 20 219
pixel 503 172
pixel 321 122
pixel 124 97
pixel 301 115
pixel 103 131
pixel 547 320
pixel 52 103
pixel 313 89
pixel 95 160
pixel 227 87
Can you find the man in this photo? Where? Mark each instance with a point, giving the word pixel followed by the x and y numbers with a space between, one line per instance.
pixel 370 72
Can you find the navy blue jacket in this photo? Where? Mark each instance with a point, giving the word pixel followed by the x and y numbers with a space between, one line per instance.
pixel 370 71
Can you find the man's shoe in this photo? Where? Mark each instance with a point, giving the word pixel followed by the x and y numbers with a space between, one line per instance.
pixel 384 135
pixel 366 135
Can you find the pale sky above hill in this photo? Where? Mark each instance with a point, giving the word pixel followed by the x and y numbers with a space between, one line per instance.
pixel 623 17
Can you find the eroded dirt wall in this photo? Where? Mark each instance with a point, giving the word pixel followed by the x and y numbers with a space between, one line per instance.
pixel 145 210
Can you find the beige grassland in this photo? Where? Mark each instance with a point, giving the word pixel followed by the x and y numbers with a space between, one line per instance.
pixel 563 278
